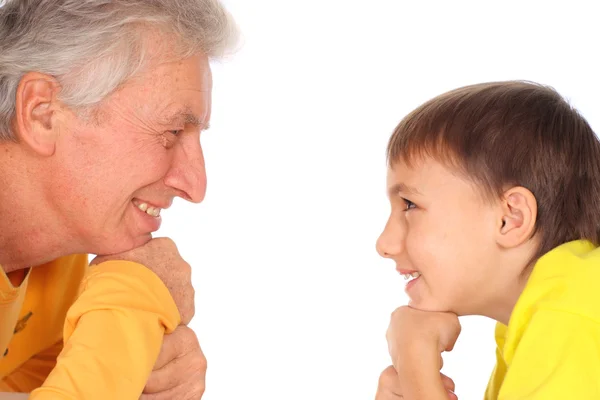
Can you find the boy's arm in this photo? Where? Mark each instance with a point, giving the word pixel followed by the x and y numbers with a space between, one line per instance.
pixel 416 340
pixel 112 335
pixel 419 375
pixel 558 357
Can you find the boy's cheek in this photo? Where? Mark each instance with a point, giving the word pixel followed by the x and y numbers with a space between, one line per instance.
pixel 439 295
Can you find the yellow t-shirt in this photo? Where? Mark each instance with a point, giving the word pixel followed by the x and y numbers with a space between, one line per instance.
pixel 111 318
pixel 551 346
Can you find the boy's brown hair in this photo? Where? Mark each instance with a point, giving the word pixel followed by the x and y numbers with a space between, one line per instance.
pixel 514 133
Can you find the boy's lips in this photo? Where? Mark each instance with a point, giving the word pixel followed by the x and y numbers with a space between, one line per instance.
pixel 405 271
pixel 409 275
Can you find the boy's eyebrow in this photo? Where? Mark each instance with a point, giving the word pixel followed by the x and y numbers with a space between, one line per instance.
pixel 402 188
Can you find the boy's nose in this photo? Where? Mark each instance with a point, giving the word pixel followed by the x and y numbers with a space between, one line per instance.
pixel 389 244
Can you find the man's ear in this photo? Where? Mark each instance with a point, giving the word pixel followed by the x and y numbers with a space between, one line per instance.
pixel 518 217
pixel 36 106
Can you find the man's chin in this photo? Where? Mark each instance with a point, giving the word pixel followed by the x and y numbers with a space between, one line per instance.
pixel 122 246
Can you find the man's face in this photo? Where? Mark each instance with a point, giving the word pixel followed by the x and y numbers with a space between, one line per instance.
pixel 140 151
pixel 441 228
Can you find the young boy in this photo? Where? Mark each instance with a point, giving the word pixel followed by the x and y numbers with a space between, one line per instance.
pixel 495 211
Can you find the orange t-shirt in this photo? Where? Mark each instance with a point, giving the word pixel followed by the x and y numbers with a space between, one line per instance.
pixel 111 318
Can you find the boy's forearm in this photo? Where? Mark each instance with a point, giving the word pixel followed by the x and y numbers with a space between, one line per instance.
pixel 419 375
pixel 417 385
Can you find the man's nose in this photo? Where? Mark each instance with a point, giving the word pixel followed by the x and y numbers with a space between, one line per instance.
pixel 188 173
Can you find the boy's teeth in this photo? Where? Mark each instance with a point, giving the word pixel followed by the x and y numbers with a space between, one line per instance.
pixel 153 211
pixel 411 275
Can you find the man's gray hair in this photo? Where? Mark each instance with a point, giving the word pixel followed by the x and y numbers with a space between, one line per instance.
pixel 93 46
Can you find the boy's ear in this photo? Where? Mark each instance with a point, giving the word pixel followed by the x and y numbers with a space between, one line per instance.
pixel 517 218
pixel 36 106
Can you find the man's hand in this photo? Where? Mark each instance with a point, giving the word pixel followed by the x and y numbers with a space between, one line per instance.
pixel 389 386
pixel 180 370
pixel 416 340
pixel 162 257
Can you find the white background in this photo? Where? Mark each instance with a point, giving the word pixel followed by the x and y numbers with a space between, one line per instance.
pixel 292 299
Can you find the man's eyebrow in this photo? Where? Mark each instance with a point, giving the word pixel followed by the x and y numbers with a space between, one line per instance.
pixel 188 118
pixel 402 188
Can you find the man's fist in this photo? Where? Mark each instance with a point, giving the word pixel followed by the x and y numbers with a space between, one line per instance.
pixel 180 370
pixel 160 255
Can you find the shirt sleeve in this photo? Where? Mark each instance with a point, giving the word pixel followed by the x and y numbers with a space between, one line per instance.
pixel 112 335
pixel 558 357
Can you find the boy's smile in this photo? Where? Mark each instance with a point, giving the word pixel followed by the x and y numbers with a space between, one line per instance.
pixel 442 234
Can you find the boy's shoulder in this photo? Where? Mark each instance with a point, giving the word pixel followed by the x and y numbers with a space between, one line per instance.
pixel 567 279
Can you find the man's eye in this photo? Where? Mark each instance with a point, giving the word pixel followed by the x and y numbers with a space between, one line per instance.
pixel 409 204
pixel 176 132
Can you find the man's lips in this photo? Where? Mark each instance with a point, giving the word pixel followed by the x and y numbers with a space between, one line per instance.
pixel 150 208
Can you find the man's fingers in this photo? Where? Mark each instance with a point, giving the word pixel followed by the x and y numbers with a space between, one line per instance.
pixel 194 392
pixel 165 378
pixel 183 340
pixel 177 372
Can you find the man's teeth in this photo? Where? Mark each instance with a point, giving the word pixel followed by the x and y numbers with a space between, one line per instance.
pixel 411 275
pixel 154 211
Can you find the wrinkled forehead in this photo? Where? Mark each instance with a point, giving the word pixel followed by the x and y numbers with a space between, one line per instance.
pixel 172 92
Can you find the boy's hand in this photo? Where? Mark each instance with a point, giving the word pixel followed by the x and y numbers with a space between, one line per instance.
pixel 179 372
pixel 389 386
pixel 416 340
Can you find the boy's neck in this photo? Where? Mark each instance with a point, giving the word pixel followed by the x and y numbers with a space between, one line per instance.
pixel 502 308
pixel 508 288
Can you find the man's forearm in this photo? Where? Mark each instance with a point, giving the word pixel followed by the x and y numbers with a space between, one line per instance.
pixel 13 396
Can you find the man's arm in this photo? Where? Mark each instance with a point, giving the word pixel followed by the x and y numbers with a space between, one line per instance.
pixel 13 396
pixel 113 334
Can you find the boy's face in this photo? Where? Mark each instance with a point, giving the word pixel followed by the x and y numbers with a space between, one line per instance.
pixel 441 227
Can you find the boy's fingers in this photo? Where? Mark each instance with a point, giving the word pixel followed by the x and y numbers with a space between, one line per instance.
pixel 448 383
pixel 389 385
pixel 449 386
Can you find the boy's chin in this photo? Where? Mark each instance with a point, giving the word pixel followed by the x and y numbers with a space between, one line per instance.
pixel 430 306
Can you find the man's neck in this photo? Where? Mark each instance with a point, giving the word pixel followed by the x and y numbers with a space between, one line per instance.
pixel 30 233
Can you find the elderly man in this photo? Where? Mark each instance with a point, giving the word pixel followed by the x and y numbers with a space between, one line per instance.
pixel 101 106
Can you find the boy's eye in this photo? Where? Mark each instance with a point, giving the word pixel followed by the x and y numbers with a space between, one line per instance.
pixel 409 204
